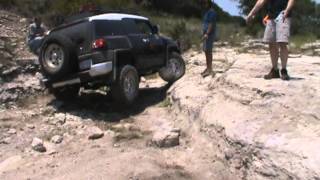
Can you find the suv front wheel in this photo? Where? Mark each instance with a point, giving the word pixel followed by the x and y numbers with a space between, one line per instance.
pixel 175 68
pixel 126 89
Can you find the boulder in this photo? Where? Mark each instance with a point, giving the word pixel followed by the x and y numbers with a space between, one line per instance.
pixel 12 131
pixel 95 133
pixel 166 139
pixel 30 126
pixel 37 145
pixel 23 20
pixel 57 139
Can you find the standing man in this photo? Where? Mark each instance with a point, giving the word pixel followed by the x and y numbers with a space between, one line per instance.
pixel 209 32
pixel 276 34
pixel 35 35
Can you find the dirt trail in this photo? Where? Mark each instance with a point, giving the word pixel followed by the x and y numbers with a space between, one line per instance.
pixel 120 154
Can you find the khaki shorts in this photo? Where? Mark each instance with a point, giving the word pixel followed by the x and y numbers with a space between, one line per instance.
pixel 277 30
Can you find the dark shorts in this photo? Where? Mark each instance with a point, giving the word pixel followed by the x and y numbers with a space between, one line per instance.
pixel 208 43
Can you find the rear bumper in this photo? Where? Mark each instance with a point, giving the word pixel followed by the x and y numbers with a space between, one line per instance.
pixel 96 70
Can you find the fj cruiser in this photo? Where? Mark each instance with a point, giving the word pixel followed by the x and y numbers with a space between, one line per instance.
pixel 110 49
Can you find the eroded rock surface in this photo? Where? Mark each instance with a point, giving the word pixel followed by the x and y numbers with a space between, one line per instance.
pixel 272 125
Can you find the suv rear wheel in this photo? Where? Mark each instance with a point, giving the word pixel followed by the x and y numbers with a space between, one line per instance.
pixel 57 56
pixel 126 89
pixel 174 70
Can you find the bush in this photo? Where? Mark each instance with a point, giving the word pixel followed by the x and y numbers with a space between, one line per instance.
pixel 185 30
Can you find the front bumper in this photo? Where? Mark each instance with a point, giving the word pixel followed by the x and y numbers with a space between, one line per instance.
pixel 96 70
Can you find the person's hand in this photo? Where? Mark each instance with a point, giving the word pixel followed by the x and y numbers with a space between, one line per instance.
pixel 205 37
pixel 249 18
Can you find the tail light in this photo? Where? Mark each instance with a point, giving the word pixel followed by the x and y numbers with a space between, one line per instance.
pixel 99 43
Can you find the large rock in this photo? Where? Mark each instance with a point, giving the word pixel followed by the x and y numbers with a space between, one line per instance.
pixel 12 131
pixel 57 139
pixel 38 145
pixel 57 119
pixel 166 139
pixel 95 133
pixel 274 125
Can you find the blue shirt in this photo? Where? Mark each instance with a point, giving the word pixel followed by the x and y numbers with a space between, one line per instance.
pixel 209 17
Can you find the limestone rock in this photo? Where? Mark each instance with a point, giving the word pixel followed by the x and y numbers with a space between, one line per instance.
pixel 12 131
pixel 95 133
pixel 57 139
pixel 164 139
pixel 37 145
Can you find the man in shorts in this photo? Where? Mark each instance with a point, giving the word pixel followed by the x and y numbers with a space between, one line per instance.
pixel 209 29
pixel 276 34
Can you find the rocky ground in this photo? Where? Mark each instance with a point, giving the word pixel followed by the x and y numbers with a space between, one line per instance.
pixel 271 126
pixel 18 71
pixel 234 125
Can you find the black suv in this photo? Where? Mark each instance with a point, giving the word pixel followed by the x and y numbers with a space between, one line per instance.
pixel 110 49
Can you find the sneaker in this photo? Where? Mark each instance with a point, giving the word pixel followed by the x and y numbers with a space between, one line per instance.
pixel 284 75
pixel 273 74
pixel 207 73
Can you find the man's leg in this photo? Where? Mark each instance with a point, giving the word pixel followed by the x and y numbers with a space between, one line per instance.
pixel 283 35
pixel 209 60
pixel 274 55
pixel 207 48
pixel 284 54
pixel 270 38
pixel 208 70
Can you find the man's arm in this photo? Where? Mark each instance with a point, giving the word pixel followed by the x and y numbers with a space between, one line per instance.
pixel 31 34
pixel 256 8
pixel 289 8
pixel 210 27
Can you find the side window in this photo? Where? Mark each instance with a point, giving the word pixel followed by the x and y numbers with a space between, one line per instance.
pixel 143 27
pixel 108 28
pixel 130 26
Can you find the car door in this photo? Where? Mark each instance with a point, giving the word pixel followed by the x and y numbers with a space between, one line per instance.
pixel 148 47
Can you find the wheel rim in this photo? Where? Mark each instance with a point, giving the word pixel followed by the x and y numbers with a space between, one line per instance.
pixel 130 86
pixel 53 57
pixel 175 67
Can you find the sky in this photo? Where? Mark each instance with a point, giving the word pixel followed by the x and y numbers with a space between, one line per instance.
pixel 229 6
pixel 232 7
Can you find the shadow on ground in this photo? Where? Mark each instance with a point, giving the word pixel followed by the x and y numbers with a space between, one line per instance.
pixel 100 107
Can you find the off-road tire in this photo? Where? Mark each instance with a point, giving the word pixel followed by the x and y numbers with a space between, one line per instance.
pixel 57 56
pixel 126 89
pixel 65 93
pixel 175 68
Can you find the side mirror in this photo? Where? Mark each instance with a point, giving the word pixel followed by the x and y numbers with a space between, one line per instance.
pixel 155 29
